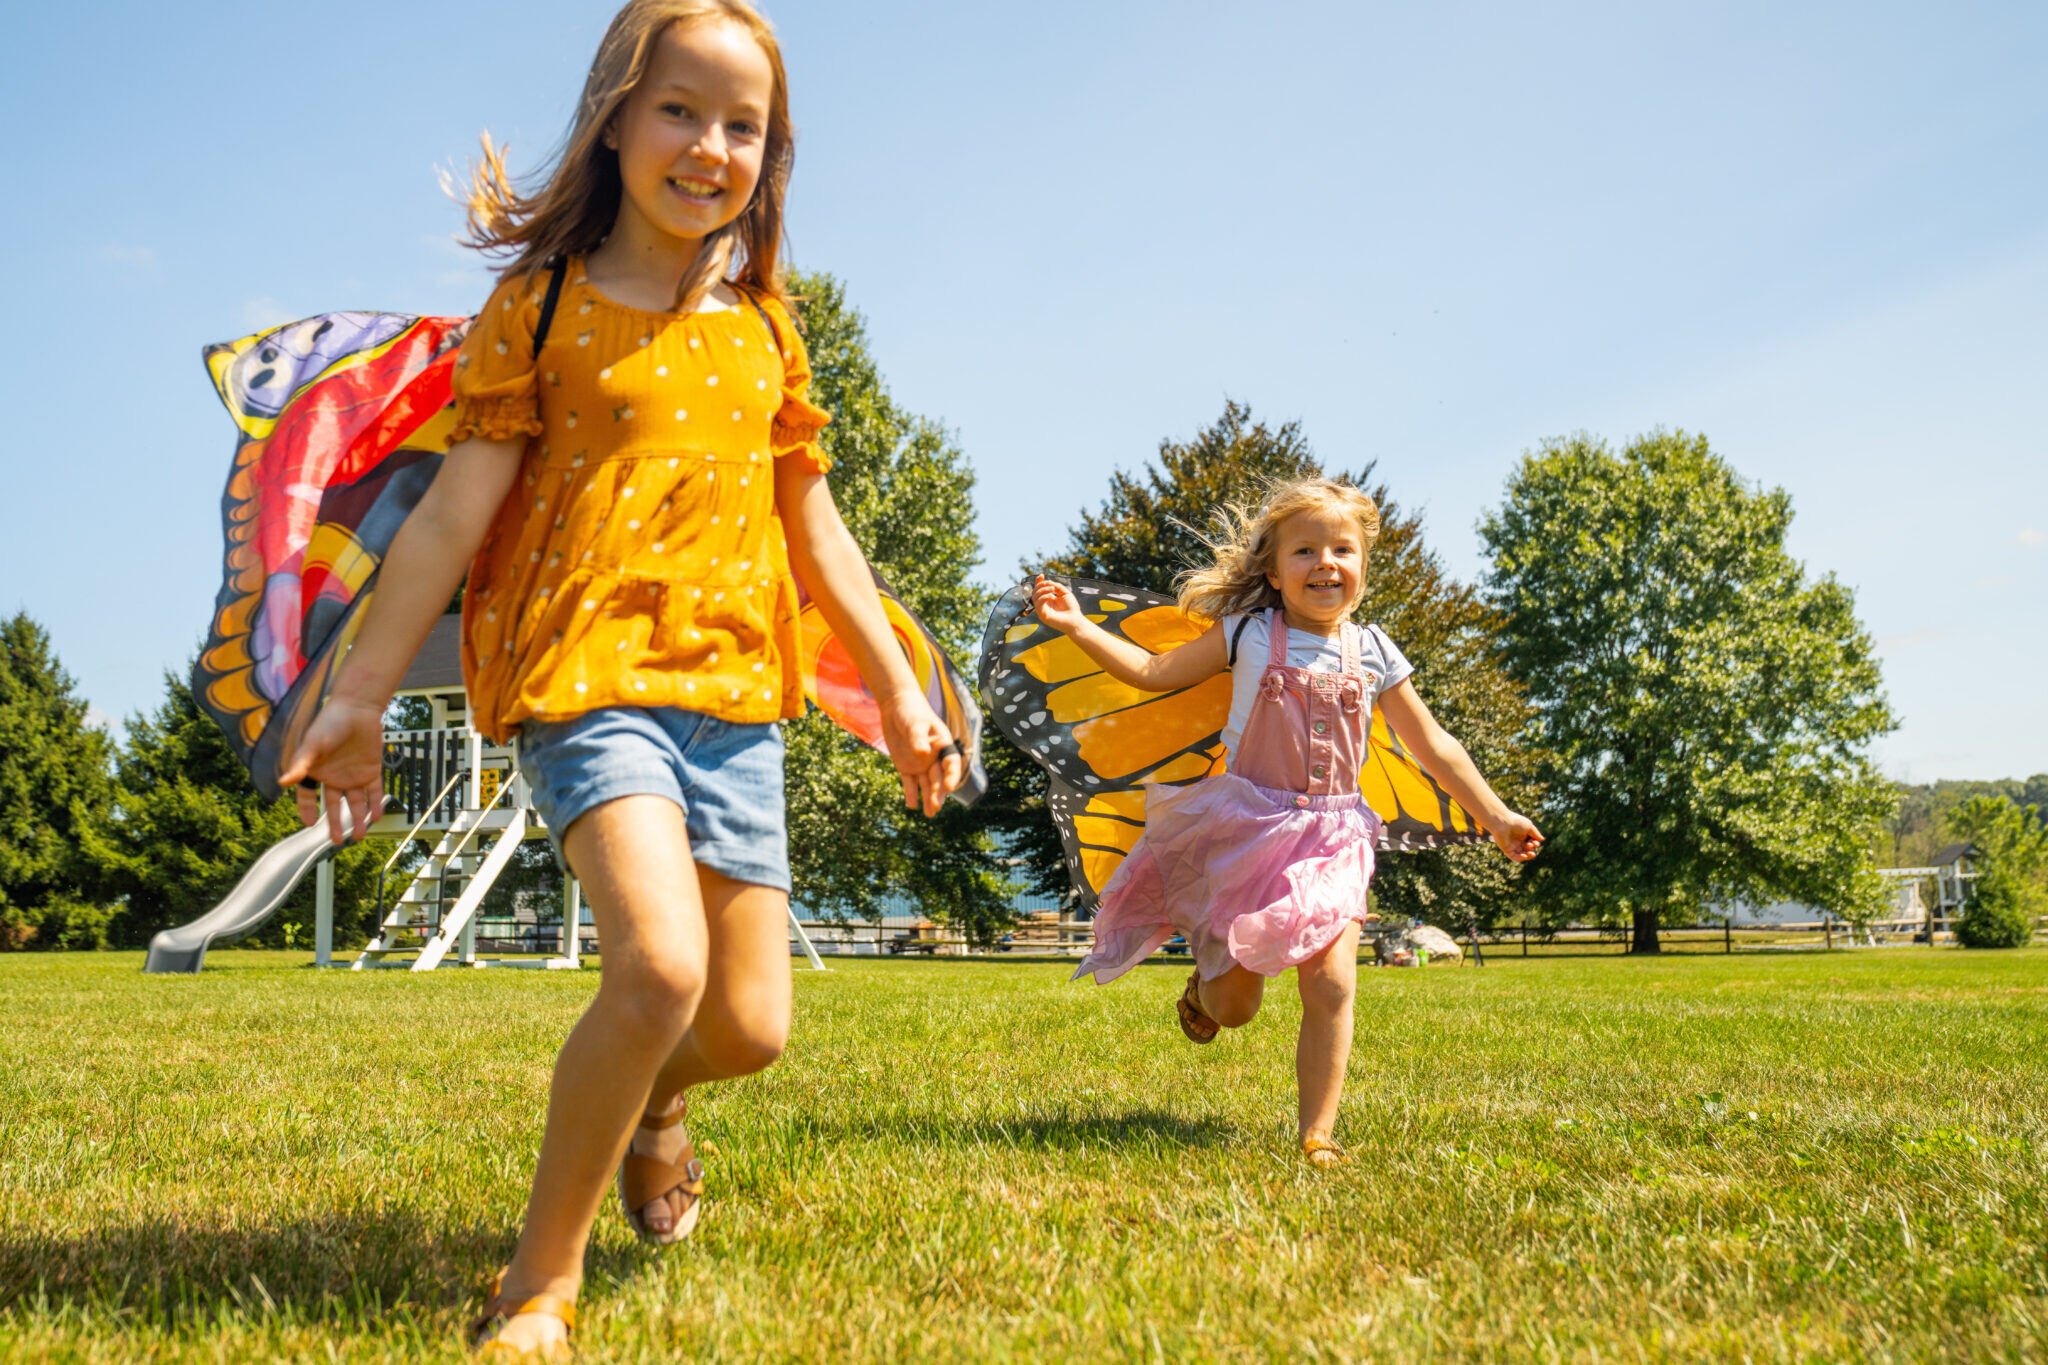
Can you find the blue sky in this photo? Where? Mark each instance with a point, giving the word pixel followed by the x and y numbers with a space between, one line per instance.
pixel 1436 235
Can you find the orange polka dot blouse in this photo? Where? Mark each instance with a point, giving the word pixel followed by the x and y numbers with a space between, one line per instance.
pixel 638 559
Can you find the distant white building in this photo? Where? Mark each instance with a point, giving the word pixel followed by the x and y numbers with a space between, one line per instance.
pixel 1946 879
pixel 1908 911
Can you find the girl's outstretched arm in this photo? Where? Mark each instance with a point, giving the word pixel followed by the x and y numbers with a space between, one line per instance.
pixel 343 748
pixel 1196 661
pixel 836 574
pixel 1446 760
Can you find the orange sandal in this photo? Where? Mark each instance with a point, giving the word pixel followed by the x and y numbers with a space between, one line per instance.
pixel 644 1179
pixel 1324 1152
pixel 1198 1027
pixel 483 1332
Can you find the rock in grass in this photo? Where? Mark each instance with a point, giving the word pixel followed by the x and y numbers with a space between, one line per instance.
pixel 1397 947
pixel 1442 947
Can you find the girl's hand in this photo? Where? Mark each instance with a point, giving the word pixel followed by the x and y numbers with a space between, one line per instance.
pixel 1518 837
pixel 923 751
pixel 1056 605
pixel 343 750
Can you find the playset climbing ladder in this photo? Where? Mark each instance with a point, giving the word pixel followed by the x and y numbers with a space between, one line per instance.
pixel 478 813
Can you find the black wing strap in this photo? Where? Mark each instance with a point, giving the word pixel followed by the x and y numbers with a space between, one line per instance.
pixel 556 273
pixel 1237 635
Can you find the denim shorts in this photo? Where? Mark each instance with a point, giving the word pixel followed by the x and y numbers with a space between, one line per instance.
pixel 726 777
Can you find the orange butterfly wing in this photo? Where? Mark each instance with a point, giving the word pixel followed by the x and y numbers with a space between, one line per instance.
pixel 1414 811
pixel 835 686
pixel 1101 741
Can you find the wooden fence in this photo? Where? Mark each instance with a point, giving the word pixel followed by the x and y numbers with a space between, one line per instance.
pixel 1052 936
pixel 1716 937
pixel 1048 935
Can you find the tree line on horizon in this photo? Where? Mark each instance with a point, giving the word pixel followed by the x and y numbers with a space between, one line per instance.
pixel 1644 667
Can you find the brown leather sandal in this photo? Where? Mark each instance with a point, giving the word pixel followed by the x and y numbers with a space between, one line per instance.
pixel 1324 1152
pixel 644 1179
pixel 483 1331
pixel 1198 1027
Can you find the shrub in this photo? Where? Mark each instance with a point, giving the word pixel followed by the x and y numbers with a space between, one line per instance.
pixel 58 924
pixel 1995 916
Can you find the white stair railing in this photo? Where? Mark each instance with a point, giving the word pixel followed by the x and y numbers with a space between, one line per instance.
pixel 458 918
pixel 452 921
pixel 418 909
pixel 406 842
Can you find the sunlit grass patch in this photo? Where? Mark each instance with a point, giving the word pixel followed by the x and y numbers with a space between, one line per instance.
pixel 1726 1157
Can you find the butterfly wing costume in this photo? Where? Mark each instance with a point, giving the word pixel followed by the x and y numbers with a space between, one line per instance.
pixel 341 423
pixel 1101 742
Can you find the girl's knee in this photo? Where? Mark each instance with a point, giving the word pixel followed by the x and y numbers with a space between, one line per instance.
pixel 1327 992
pixel 655 997
pixel 1236 1013
pixel 751 1050
pixel 739 1043
pixel 1232 1004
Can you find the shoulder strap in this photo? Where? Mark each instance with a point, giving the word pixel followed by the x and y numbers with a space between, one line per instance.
pixel 1237 635
pixel 766 321
pixel 1276 638
pixel 556 273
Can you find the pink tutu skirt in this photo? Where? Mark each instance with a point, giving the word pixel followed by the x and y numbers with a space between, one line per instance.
pixel 1253 878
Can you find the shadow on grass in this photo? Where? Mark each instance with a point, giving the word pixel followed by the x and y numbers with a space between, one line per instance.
pixel 175 1272
pixel 1139 1128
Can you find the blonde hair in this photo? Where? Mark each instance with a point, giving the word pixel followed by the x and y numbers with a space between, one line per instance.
pixel 1246 540
pixel 573 211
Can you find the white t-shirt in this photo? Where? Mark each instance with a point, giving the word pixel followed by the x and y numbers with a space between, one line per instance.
pixel 1382 663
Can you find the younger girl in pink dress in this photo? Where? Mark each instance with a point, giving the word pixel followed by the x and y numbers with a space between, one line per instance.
pixel 1264 866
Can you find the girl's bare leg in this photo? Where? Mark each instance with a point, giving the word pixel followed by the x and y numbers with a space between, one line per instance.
pixel 1233 998
pixel 744 1021
pixel 742 1024
pixel 633 857
pixel 1328 981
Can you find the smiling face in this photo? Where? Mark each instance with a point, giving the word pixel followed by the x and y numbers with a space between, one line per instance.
pixel 692 133
pixel 1318 567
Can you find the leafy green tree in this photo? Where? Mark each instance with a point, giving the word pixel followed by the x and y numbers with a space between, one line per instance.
pixel 2011 888
pixel 906 492
pixel 2035 793
pixel 54 785
pixel 186 824
pixel 1148 530
pixel 1704 708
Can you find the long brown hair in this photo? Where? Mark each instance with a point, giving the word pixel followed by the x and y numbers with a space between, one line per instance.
pixel 1246 539
pixel 573 210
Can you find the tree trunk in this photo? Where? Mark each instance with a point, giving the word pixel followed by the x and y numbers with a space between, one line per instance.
pixel 1643 937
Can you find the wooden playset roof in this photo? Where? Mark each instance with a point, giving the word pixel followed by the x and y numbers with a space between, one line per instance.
pixel 1954 853
pixel 438 665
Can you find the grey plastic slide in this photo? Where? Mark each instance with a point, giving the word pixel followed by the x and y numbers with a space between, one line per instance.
pixel 255 899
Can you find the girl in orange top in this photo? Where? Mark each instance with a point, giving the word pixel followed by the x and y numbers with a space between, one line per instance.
pixel 635 492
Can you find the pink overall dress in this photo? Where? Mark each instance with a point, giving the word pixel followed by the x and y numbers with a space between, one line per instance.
pixel 1262 866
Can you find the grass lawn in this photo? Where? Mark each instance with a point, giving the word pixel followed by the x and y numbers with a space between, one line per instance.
pixel 1757 1157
